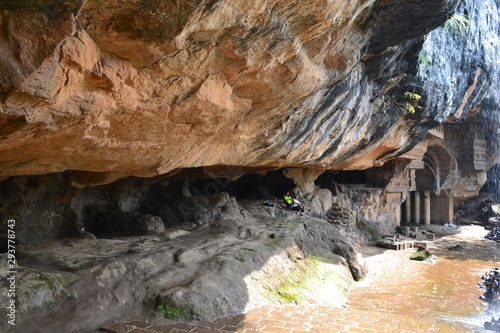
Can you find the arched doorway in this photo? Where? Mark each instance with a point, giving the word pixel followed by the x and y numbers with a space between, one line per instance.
pixel 430 201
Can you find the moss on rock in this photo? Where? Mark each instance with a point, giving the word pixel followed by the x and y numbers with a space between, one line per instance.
pixel 39 292
pixel 322 280
pixel 421 254
pixel 368 231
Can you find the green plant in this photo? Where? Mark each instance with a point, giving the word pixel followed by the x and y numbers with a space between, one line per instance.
pixel 424 58
pixel 412 103
pixel 410 108
pixel 413 96
pixel 458 22
pixel 169 311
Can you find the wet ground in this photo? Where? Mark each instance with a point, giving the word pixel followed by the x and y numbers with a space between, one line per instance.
pixel 399 295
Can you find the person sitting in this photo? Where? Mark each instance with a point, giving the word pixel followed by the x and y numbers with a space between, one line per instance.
pixel 288 200
pixel 297 205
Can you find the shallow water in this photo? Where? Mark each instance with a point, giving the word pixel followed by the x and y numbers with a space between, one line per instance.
pixel 445 291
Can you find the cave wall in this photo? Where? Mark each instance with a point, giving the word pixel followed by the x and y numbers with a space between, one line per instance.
pixel 45 207
pixel 368 205
pixel 458 70
pixel 128 119
pixel 48 207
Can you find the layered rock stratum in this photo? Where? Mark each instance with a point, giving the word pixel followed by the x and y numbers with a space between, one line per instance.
pixel 112 89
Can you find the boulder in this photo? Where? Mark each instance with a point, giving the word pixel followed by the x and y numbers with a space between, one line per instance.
pixel 422 254
pixel 491 285
pixel 494 234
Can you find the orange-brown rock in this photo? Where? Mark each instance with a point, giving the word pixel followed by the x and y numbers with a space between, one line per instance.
pixel 148 87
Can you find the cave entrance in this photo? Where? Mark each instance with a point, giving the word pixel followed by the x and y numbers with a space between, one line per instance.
pixel 350 177
pixel 430 201
pixel 376 177
pixel 425 207
pixel 264 185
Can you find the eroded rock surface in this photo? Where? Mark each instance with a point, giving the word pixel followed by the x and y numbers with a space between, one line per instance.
pixel 206 93
pixel 457 70
pixel 151 87
pixel 219 268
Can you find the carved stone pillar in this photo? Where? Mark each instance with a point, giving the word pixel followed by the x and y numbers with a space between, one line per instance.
pixel 416 207
pixel 427 207
pixel 408 208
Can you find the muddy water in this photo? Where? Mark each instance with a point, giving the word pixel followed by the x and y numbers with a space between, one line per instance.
pixel 444 292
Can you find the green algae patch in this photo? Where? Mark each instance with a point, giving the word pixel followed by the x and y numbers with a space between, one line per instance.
pixel 175 312
pixel 324 280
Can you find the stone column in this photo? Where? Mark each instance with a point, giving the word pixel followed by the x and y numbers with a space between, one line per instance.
pixel 408 208
pixel 427 207
pixel 416 207
pixel 442 207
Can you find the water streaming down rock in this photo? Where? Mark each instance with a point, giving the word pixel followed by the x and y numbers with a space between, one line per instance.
pixel 492 185
pixel 494 234
pixel 453 62
pixel 491 285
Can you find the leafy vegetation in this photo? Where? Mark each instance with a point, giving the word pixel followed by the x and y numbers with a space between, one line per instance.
pixel 421 255
pixel 458 23
pixel 412 102
pixel 413 96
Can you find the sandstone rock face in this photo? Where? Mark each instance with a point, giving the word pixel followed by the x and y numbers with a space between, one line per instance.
pixel 151 87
